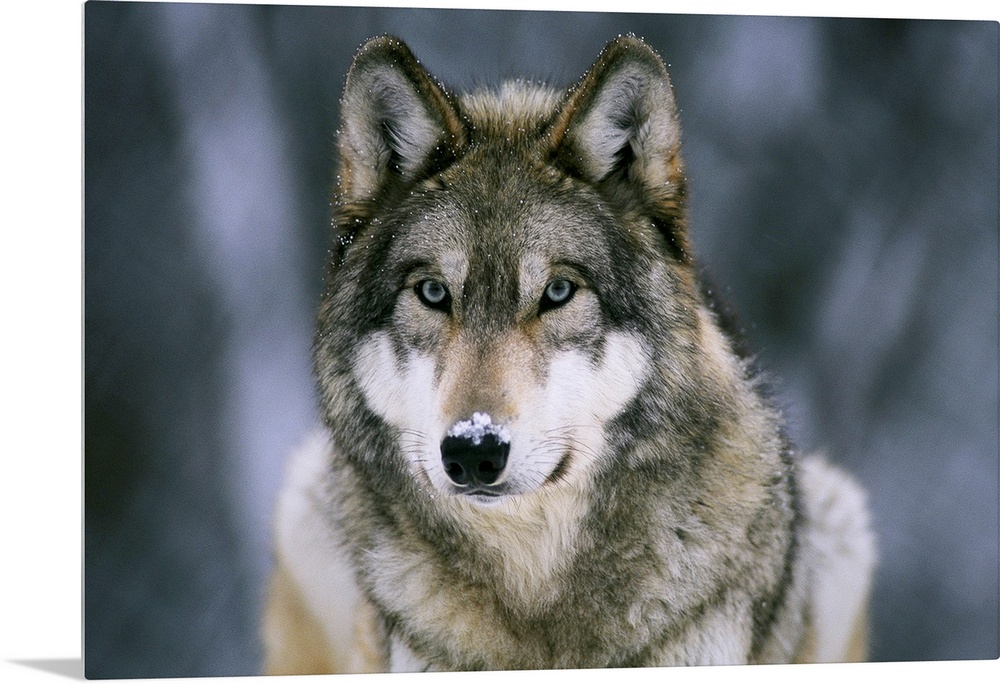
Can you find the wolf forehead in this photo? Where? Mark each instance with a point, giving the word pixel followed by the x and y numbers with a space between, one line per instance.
pixel 500 194
pixel 482 226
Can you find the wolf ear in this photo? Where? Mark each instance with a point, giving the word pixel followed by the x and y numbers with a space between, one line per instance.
pixel 394 119
pixel 619 129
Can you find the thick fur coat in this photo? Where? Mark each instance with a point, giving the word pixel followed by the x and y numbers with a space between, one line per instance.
pixel 542 446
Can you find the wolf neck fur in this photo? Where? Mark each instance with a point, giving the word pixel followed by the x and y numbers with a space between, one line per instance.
pixel 519 546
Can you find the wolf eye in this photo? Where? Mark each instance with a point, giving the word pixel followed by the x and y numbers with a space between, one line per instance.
pixel 557 293
pixel 433 294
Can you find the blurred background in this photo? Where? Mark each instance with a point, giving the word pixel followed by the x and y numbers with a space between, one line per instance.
pixel 844 189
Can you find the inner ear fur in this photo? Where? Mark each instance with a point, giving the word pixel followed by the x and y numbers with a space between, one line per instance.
pixel 394 120
pixel 618 129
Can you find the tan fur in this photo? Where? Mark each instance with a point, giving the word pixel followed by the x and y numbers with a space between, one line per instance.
pixel 857 649
pixel 842 548
pixel 805 653
pixel 315 620
pixel 293 639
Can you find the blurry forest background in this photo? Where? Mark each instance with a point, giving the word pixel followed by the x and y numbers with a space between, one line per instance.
pixel 844 188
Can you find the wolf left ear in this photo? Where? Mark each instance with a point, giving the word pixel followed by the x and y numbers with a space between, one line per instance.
pixel 394 118
pixel 619 129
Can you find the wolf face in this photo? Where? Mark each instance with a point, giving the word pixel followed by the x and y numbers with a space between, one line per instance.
pixel 497 324
pixel 503 261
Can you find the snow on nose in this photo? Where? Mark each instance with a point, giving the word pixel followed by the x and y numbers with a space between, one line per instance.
pixel 478 427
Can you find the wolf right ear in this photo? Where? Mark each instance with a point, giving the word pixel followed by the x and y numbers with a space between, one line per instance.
pixel 619 129
pixel 394 117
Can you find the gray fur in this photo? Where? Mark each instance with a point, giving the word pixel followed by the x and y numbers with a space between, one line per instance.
pixel 683 536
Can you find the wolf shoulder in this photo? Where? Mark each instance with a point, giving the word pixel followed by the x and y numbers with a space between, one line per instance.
pixel 841 550
pixel 315 619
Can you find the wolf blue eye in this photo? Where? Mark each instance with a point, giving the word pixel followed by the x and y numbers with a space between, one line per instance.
pixel 433 293
pixel 557 293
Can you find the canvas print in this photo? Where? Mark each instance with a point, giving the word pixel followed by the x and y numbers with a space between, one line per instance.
pixel 428 340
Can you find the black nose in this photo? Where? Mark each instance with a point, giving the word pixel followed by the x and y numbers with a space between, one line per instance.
pixel 471 461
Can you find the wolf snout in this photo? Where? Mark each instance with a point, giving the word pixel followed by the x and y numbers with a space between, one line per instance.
pixel 474 452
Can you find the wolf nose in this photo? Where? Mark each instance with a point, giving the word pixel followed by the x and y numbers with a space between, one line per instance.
pixel 471 461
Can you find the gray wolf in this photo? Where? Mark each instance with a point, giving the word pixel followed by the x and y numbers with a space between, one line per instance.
pixel 543 445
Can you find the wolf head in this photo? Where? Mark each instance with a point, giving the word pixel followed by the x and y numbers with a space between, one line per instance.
pixel 511 302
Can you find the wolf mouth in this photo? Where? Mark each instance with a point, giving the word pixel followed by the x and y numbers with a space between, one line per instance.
pixel 485 497
pixel 484 492
pixel 562 467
